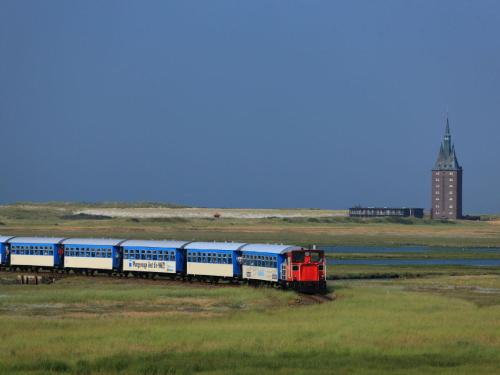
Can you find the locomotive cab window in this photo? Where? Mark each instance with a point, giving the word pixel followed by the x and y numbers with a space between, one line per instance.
pixel 315 256
pixel 298 257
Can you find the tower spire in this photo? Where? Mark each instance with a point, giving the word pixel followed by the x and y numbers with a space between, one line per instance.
pixel 447 158
pixel 447 130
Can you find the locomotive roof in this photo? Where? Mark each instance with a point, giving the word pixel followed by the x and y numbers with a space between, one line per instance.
pixel 5 238
pixel 42 240
pixel 269 248
pixel 151 243
pixel 93 241
pixel 232 246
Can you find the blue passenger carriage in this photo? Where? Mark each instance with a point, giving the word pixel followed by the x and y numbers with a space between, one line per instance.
pixel 92 253
pixel 4 252
pixel 265 262
pixel 36 251
pixel 213 259
pixel 149 256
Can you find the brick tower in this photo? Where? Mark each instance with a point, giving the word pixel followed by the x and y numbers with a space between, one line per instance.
pixel 446 181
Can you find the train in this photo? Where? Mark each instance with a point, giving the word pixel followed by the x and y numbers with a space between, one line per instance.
pixel 285 266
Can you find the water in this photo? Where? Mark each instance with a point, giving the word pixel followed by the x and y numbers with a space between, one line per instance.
pixel 404 249
pixel 415 262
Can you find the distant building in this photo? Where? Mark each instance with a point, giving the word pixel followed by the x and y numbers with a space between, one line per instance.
pixel 384 212
pixel 446 181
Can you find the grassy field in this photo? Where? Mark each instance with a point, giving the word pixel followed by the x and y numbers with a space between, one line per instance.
pixel 402 271
pixel 68 220
pixel 439 324
pixel 417 319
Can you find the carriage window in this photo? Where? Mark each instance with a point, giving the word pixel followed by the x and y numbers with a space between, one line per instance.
pixel 229 259
pixel 298 257
pixel 315 256
pixel 109 253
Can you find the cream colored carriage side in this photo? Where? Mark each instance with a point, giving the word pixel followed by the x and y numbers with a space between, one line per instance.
pixel 44 252
pixel 213 259
pixel 92 254
pixel 149 256
pixel 265 262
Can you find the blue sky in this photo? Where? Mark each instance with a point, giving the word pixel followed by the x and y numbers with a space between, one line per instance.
pixel 248 104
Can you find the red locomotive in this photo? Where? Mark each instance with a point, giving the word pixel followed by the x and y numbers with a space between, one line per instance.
pixel 306 270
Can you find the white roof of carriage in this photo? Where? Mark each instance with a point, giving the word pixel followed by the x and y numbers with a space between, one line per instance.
pixel 5 238
pixel 231 246
pixel 152 243
pixel 93 241
pixel 269 248
pixel 35 240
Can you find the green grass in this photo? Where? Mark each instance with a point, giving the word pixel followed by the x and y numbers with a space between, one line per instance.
pixel 410 271
pixel 425 319
pixel 432 325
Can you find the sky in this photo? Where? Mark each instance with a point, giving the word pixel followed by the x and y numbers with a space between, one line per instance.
pixel 324 104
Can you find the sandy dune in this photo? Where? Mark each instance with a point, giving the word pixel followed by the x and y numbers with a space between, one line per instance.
pixel 234 213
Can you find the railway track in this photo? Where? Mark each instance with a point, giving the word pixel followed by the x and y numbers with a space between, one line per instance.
pixel 315 298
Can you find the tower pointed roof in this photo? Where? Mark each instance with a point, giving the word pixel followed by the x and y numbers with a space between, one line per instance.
pixel 447 158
